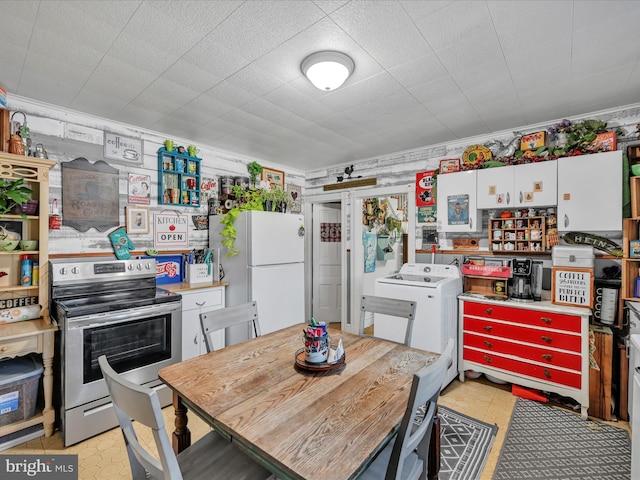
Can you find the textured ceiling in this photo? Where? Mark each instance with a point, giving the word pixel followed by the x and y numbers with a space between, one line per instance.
pixel 227 73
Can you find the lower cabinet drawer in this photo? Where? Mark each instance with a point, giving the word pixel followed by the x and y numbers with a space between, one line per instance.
pixel 205 299
pixel 20 346
pixel 557 321
pixel 547 374
pixel 572 361
pixel 549 338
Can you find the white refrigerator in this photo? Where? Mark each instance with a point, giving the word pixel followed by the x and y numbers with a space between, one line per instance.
pixel 269 267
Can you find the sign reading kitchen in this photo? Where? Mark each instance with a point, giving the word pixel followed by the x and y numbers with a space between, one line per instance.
pixel 170 230
pixel 117 147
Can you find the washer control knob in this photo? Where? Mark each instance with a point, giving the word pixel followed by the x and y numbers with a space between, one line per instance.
pixel 75 270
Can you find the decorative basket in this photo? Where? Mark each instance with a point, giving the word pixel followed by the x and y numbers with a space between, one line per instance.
pixel 30 207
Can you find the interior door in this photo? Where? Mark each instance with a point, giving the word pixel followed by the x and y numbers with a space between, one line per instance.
pixel 327 262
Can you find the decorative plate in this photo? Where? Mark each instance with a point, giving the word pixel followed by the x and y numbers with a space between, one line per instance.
pixel 317 367
pixel 475 155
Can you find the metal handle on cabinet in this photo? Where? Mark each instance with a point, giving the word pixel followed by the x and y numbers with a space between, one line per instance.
pixel 201 304
pixel 195 339
pixel 488 328
pixel 487 359
pixel 520 196
pixel 471 224
pixel 547 373
pixel 547 339
pixel 566 220
pixel 488 344
pixel 547 356
pixel 488 311
pixel 546 320
pixel 508 198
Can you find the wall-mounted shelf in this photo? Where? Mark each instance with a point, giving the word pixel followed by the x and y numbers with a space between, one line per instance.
pixel 178 178
pixel 519 234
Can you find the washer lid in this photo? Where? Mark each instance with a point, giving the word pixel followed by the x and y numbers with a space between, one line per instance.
pixel 413 280
pixel 635 341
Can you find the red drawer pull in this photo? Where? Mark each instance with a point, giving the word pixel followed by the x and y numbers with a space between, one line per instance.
pixel 547 356
pixel 488 328
pixel 488 311
pixel 546 320
pixel 488 344
pixel 547 339
pixel 546 373
pixel 487 359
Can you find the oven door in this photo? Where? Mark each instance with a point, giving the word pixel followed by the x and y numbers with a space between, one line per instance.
pixel 138 342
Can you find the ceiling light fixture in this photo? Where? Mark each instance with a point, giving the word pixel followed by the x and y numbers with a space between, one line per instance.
pixel 327 70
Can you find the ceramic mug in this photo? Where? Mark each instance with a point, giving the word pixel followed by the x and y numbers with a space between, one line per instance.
pixel 316 349
pixel 192 150
pixel 169 145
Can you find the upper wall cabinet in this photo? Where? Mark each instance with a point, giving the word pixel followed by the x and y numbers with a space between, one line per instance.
pixel 590 192
pixel 456 204
pixel 518 186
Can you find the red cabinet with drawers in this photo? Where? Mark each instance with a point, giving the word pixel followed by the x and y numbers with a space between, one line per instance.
pixel 536 345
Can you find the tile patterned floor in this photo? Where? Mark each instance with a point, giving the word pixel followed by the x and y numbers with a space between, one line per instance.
pixel 103 457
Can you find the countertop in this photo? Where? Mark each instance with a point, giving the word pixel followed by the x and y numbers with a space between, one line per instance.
pixel 544 305
pixel 185 287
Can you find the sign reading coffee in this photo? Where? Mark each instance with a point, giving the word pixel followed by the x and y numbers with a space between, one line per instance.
pixel 572 286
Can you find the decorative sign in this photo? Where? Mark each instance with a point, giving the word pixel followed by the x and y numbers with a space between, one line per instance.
pixel 362 182
pixel 450 165
pixel 208 189
pixel 330 232
pixel 427 214
pixel 139 189
pixel 425 196
pixel 170 229
pixel 296 196
pixel 18 302
pixel 533 141
pixel 121 148
pixel 90 195
pixel 572 286
pixel 458 209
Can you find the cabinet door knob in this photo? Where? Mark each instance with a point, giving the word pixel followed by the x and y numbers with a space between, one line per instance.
pixel 547 356
pixel 488 328
pixel 488 344
pixel 547 373
pixel 487 359
pixel 547 339
pixel 488 311
pixel 546 320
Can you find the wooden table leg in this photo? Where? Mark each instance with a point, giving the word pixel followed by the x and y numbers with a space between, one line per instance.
pixel 181 437
pixel 434 449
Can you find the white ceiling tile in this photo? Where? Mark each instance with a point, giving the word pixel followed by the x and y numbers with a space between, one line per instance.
pixel 230 94
pixel 329 6
pixel 191 76
pixel 421 70
pixel 454 23
pixel 112 12
pixel 213 57
pixel 282 18
pixel 255 80
pixel 18 23
pixel 145 56
pixel 195 15
pixel 483 49
pixel 401 41
pixel 419 8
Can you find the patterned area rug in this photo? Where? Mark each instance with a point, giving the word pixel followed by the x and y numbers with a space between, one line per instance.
pixel 547 442
pixel 465 444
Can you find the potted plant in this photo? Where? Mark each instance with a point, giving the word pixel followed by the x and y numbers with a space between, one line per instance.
pixel 281 198
pixel 268 199
pixel 247 200
pixel 13 193
pixel 254 169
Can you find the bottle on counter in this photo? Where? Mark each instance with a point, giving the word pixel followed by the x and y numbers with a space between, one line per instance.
pixel 26 270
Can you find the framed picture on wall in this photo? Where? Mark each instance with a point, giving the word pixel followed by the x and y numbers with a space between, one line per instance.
pixel 450 165
pixel 137 219
pixel 274 177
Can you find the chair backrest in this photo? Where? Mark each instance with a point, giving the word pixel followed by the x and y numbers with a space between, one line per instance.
pixel 221 319
pixel 388 306
pixel 425 390
pixel 132 401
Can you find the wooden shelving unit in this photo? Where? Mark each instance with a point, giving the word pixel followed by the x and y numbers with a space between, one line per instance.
pixel 630 266
pixel 523 234
pixel 37 335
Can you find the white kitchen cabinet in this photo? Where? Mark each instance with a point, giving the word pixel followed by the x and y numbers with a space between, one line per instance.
pixel 590 192
pixel 456 205
pixel 194 302
pixel 518 186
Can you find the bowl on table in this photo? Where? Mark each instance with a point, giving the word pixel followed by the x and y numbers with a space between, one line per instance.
pixel 8 244
pixel 28 244
pixel 635 169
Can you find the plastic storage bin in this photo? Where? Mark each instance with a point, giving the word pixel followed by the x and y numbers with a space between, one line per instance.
pixel 578 257
pixel 19 380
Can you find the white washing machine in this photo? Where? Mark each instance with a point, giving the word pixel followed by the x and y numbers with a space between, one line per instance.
pixel 435 288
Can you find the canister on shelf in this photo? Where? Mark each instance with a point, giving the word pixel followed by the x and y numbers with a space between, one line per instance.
pixel 25 271
pixel 35 274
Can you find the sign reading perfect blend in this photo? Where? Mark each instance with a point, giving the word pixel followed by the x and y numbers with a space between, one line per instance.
pixel 45 467
pixel 572 286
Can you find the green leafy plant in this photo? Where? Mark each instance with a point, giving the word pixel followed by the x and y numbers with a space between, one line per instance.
pixel 12 194
pixel 247 200
pixel 254 169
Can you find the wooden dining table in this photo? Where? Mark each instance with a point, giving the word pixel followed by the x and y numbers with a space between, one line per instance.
pixel 299 424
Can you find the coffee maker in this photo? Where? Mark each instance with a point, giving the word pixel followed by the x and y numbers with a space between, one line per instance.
pixel 526 280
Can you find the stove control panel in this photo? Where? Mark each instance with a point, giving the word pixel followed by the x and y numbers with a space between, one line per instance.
pixel 65 270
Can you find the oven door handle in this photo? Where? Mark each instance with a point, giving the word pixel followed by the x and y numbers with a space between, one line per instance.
pixel 123 316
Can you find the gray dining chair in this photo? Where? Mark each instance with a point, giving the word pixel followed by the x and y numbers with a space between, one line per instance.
pixel 210 457
pixel 388 306
pixel 406 456
pixel 239 322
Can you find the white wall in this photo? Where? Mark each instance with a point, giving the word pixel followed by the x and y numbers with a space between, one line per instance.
pixel 67 135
